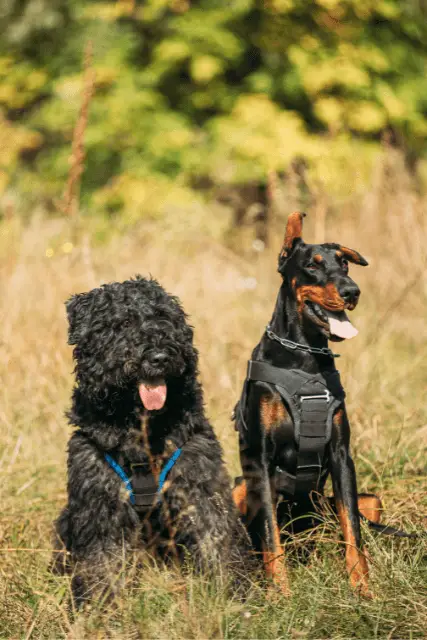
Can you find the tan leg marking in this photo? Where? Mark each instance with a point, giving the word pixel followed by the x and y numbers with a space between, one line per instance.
pixel 274 562
pixel 357 566
pixel 274 558
pixel 371 507
pixel 240 498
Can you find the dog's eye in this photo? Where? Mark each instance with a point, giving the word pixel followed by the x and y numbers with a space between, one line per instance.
pixel 344 264
pixel 126 323
pixel 312 266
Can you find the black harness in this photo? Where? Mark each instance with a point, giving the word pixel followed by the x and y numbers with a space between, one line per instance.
pixel 143 489
pixel 312 400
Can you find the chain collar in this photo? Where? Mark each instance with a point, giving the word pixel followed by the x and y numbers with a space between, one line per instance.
pixel 289 344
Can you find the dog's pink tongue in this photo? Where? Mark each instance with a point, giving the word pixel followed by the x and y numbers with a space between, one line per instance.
pixel 340 325
pixel 153 395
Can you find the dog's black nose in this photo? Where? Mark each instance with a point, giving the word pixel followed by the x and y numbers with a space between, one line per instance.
pixel 350 293
pixel 159 358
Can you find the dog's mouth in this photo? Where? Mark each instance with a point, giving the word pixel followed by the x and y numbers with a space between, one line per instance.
pixel 335 325
pixel 153 394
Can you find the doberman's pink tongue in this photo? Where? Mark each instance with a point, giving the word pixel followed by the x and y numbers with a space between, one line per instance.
pixel 153 395
pixel 340 325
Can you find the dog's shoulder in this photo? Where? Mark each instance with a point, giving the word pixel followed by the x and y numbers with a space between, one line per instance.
pixel 83 454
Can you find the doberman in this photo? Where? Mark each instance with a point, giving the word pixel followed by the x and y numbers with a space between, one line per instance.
pixel 291 417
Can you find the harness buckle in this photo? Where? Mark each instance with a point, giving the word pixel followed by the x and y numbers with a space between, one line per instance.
pixel 322 396
pixel 141 465
pixel 144 485
pixel 311 466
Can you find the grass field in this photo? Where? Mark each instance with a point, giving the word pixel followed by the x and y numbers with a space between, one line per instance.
pixel 229 297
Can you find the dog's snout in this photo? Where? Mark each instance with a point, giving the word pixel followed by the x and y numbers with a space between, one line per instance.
pixel 350 294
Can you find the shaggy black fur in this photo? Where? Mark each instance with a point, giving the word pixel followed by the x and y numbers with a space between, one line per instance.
pixel 126 333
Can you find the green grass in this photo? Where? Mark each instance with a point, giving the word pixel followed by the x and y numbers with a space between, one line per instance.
pixel 162 603
pixel 384 372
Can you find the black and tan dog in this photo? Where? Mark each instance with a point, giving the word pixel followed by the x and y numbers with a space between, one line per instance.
pixel 291 417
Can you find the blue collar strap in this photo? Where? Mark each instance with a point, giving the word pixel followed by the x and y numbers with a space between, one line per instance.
pixel 127 482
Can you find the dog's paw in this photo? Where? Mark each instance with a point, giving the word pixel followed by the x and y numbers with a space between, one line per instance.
pixel 281 581
pixel 358 571
pixel 363 590
pixel 278 575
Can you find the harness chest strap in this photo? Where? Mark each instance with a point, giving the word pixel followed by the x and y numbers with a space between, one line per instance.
pixel 312 400
pixel 143 488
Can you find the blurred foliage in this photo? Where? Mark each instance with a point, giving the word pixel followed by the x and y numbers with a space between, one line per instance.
pixel 211 88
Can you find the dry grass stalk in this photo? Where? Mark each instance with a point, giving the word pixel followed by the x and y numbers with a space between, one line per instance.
pixel 70 204
pixel 155 465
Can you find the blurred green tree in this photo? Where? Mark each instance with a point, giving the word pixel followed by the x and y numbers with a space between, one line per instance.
pixel 227 89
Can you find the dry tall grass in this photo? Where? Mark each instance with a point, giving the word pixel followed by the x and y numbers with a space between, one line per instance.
pixel 229 299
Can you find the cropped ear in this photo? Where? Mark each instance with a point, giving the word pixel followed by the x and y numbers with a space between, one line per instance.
pixel 352 256
pixel 79 309
pixel 293 235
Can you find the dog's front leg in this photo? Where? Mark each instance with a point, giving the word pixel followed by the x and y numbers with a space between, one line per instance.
pixel 260 517
pixel 97 525
pixel 345 492
pixel 259 507
pixel 95 564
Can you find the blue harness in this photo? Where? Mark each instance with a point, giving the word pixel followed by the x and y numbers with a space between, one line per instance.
pixel 127 482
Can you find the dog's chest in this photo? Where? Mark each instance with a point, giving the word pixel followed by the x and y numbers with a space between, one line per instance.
pixel 279 429
pixel 137 448
pixel 281 446
pixel 283 452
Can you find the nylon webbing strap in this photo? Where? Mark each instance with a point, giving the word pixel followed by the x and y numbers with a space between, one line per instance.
pixel 144 485
pixel 312 399
pixel 313 422
pixel 290 379
pixel 312 441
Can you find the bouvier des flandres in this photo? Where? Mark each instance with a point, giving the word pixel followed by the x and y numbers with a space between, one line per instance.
pixel 145 469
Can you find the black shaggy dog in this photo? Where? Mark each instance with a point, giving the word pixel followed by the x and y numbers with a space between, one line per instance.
pixel 145 470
